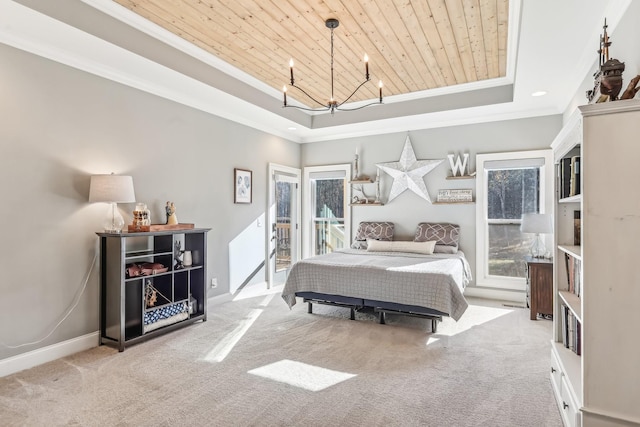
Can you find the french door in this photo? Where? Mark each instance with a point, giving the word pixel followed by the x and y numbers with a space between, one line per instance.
pixel 283 241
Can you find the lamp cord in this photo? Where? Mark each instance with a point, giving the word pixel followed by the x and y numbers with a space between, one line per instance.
pixel 72 306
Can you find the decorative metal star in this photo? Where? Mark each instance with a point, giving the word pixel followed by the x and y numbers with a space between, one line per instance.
pixel 408 173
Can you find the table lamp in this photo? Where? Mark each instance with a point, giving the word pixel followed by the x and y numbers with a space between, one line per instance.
pixel 537 224
pixel 112 189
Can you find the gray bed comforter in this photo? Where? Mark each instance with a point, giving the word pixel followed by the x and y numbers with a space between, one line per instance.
pixel 434 281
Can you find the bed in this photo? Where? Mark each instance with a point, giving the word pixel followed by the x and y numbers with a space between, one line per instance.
pixel 395 277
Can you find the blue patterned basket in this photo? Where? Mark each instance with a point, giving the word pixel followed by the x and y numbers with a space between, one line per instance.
pixel 153 316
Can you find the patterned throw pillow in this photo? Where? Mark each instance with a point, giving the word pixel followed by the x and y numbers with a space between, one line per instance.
pixel 374 230
pixel 446 236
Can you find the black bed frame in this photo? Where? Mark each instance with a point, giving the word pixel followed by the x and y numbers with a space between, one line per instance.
pixel 379 307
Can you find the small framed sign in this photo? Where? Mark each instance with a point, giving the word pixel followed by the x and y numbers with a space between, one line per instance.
pixel 242 186
pixel 455 195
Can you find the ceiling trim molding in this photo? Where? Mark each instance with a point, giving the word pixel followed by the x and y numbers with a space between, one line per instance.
pixel 46 37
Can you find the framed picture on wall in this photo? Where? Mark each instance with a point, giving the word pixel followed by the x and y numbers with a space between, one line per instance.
pixel 242 185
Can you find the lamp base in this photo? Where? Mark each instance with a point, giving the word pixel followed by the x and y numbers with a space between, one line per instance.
pixel 114 221
pixel 537 249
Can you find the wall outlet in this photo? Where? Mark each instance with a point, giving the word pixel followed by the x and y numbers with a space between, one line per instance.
pixel 214 283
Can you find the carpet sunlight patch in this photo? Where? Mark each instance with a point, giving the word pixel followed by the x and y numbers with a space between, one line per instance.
pixel 301 375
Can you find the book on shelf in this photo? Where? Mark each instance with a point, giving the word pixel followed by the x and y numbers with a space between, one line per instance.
pixel 574 182
pixel 565 177
pixel 576 228
pixel 574 279
pixel 571 331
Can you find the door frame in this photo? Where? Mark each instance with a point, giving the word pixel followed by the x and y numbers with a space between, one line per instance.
pixel 270 215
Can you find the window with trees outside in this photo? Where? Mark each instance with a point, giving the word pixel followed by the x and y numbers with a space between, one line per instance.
pixel 512 184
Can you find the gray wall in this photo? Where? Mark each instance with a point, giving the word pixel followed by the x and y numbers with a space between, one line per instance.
pixel 408 209
pixel 61 125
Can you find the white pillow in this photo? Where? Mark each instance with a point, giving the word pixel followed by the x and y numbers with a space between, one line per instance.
pixel 425 248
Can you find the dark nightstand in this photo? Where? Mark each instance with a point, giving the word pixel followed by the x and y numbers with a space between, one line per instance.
pixel 539 286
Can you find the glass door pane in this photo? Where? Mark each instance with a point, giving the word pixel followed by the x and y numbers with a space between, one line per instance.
pixel 285 226
pixel 328 221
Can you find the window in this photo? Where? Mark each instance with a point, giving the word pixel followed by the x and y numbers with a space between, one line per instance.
pixel 326 197
pixel 509 185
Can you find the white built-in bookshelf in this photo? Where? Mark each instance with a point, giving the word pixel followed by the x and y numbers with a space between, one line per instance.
pixel 595 357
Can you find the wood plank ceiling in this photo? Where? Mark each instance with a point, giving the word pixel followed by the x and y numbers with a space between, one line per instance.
pixel 413 45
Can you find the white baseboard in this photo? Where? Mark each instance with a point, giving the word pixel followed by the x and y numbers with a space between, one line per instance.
pixel 43 355
pixel 497 294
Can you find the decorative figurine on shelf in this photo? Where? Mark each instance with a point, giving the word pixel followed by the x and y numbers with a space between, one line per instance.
pixel 377 200
pixel 608 76
pixel 171 213
pixel 150 294
pixel 177 255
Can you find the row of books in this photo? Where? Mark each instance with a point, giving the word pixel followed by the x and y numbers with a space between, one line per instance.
pixel 574 274
pixel 569 176
pixel 571 331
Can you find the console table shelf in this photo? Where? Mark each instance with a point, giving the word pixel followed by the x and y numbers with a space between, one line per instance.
pixel 135 306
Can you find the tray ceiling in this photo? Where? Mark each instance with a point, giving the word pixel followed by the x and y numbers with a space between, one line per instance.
pixel 412 45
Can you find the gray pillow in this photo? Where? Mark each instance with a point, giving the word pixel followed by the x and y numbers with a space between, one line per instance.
pixel 446 236
pixel 376 230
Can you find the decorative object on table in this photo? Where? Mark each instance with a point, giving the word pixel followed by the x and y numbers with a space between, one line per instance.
pixel 170 209
pixel 145 269
pixel 242 186
pixel 177 255
pixel 150 294
pixel 458 166
pixel 408 173
pixel 112 189
pixel 332 105
pixel 576 228
pixel 187 259
pixel 455 196
pixel 608 77
pixel 632 88
pixel 537 224
pixel 141 216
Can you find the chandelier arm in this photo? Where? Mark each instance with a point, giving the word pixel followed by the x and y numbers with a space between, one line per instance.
pixel 310 97
pixel 325 108
pixel 357 108
pixel 354 92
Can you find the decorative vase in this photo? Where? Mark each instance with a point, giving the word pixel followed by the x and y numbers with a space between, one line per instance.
pixel 187 261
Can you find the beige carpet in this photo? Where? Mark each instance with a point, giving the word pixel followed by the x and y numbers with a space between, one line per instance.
pixel 489 369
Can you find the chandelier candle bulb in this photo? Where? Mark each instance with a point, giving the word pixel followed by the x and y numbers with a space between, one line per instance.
pixel 284 91
pixel 291 69
pixel 380 86
pixel 366 66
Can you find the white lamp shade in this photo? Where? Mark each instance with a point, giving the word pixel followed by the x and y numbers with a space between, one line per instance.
pixel 537 223
pixel 111 188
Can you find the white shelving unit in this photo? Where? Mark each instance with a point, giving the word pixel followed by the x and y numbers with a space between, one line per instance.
pixel 601 386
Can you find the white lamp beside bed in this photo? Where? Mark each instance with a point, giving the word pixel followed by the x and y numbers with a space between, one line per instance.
pixel 537 224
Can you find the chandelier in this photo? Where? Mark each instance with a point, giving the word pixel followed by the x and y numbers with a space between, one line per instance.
pixel 332 105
